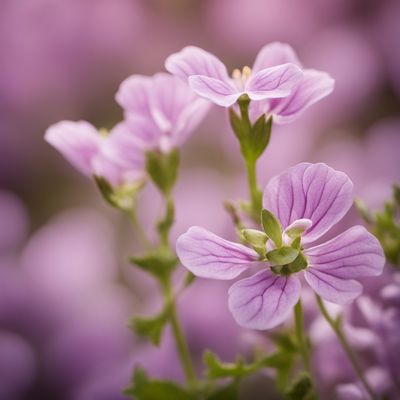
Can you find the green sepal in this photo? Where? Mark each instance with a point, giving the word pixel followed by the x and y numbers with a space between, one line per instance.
pixel 282 256
pixel 256 239
pixel 272 227
pixel 296 244
pixel 260 135
pixel 301 388
pixel 298 264
pixel 159 262
pixel 237 125
pixel 121 197
pixel 163 169
pixel 143 388
pixel 150 327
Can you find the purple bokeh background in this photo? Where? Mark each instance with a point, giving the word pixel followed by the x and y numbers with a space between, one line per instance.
pixel 66 289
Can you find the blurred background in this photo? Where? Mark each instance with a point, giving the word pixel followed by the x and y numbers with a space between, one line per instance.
pixel 66 290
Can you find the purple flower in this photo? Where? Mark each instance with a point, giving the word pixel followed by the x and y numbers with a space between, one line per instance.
pixel 276 83
pixel 307 200
pixel 160 110
pixel 117 156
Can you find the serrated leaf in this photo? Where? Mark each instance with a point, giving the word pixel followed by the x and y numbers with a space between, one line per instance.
pixel 143 388
pixel 163 169
pixel 150 327
pixel 272 227
pixel 283 255
pixel 160 262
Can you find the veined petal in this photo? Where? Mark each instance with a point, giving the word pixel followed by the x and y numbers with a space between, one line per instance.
pixel 273 54
pixel 353 254
pixel 193 60
pixel 332 288
pixel 78 142
pixel 209 256
pixel 273 82
pixel 219 92
pixel 264 300
pixel 314 86
pixel 313 191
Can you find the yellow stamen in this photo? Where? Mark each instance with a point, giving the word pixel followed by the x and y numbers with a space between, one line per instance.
pixel 246 72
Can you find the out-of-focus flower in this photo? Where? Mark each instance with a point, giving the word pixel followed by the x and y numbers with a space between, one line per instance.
pixel 208 76
pixel 117 156
pixel 307 200
pixel 276 82
pixel 160 110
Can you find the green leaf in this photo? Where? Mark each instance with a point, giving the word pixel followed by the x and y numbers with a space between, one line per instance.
pixel 283 255
pixel 260 135
pixel 301 388
pixel 272 227
pixel 143 388
pixel 163 169
pixel 228 392
pixel 150 327
pixel 256 239
pixel 160 262
pixel 217 369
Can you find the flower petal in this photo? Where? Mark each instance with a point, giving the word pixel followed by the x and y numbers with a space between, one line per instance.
pixel 273 82
pixel 192 60
pixel 353 254
pixel 313 191
pixel 264 300
pixel 133 95
pixel 209 256
pixel 78 142
pixel 273 54
pixel 175 107
pixel 219 92
pixel 331 288
pixel 314 86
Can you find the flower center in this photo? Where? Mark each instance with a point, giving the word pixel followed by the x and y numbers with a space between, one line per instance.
pixel 240 77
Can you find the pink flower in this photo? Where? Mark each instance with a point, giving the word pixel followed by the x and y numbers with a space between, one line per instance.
pixel 117 156
pixel 276 83
pixel 160 110
pixel 307 200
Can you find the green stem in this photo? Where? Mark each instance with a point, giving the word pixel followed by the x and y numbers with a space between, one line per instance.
pixel 141 234
pixel 301 339
pixel 255 194
pixel 181 344
pixel 335 325
pixel 165 224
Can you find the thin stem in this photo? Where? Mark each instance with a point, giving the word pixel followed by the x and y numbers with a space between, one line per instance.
pixel 301 339
pixel 335 325
pixel 141 234
pixel 165 224
pixel 181 344
pixel 255 193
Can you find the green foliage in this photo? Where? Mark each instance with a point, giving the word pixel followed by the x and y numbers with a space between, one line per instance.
pixel 298 264
pixel 385 225
pixel 283 255
pixel 301 388
pixel 143 388
pixel 150 327
pixel 163 169
pixel 272 227
pixel 159 262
